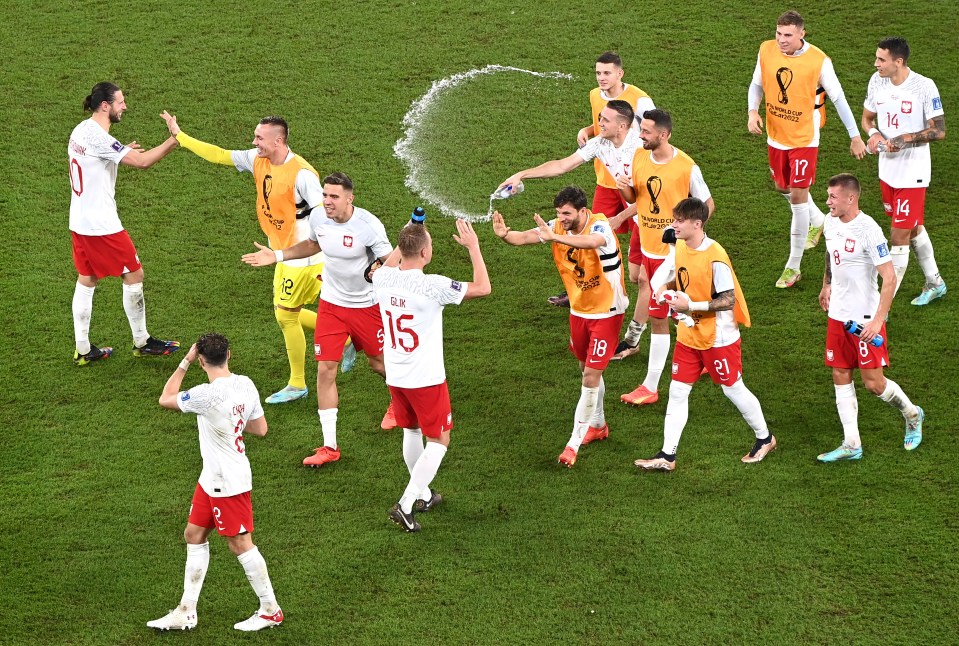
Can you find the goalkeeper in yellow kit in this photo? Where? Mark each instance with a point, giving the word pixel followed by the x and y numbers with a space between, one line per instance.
pixel 287 189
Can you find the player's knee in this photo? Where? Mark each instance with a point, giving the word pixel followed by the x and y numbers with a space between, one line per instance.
pixel 659 325
pixel 194 535
pixel 240 543
pixel 875 384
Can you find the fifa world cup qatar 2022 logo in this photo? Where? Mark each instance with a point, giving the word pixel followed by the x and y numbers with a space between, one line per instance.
pixel 784 77
pixel 682 279
pixel 654 186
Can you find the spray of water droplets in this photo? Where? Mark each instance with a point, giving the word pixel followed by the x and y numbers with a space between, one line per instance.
pixel 414 122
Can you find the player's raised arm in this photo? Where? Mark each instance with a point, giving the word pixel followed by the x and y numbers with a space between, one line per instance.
pixel 172 387
pixel 552 168
pixel 480 286
pixel 202 149
pixel 266 256
pixel 145 158
pixel 516 238
pixel 545 234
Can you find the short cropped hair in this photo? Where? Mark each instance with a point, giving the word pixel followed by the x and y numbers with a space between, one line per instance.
pixel 610 57
pixel 846 181
pixel 791 18
pixel 214 348
pixel 413 239
pixel 691 208
pixel 280 122
pixel 339 179
pixel 661 118
pixel 623 109
pixel 572 195
pixel 896 46
pixel 102 91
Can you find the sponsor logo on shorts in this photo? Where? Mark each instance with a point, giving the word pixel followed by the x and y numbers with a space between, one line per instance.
pixel 887 206
pixel 316 349
pixel 850 245
pixel 937 103
pixel 449 419
pixel 184 397
pixel 907 107
pixel 675 368
pixel 829 354
pixel 455 284
pixel 883 250
pixel 117 146
pixel 347 241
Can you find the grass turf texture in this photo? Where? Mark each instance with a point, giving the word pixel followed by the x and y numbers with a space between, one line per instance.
pixel 95 479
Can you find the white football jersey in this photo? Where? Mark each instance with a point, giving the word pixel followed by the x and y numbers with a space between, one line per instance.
pixel 903 109
pixel 411 306
pixel 618 161
pixel 94 156
pixel 855 248
pixel 307 190
pixel 349 248
pixel 223 408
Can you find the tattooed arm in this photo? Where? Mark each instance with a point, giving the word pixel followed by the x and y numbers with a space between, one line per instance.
pixel 723 301
pixel 935 132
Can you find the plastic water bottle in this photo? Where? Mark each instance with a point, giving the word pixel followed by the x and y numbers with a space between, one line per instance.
pixel 855 328
pixel 418 216
pixel 508 191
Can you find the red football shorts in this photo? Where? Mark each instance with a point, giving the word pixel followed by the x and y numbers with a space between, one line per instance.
pixel 906 206
pixel 793 168
pixel 593 341
pixel 610 203
pixel 724 364
pixel 427 409
pixel 635 246
pixel 656 310
pixel 231 515
pixel 101 256
pixel 334 323
pixel 845 350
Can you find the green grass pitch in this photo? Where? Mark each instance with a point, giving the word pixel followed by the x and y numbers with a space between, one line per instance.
pixel 95 479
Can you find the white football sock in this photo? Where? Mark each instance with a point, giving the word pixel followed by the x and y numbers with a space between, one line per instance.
pixel 677 413
pixel 328 426
pixel 894 396
pixel 197 561
pixel 658 352
pixel 798 232
pixel 900 260
pixel 922 246
pixel 256 573
pixel 585 409
pixel 422 475
pixel 848 406
pixel 749 407
pixel 135 308
pixel 816 217
pixel 82 311
pixel 412 447
pixel 599 417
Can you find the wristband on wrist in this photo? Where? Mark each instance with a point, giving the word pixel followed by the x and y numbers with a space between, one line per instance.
pixel 874 131
pixel 279 254
pixel 184 365
pixel 698 306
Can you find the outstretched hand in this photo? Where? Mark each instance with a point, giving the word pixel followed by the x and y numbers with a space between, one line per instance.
pixel 171 123
pixel 467 236
pixel 543 231
pixel 192 354
pixel 499 225
pixel 261 258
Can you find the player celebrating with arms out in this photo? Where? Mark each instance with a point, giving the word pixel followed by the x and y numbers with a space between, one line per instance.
pixel 903 112
pixel 287 190
pixel 792 74
pixel 352 240
pixel 226 408
pixel 856 253
pixel 411 305
pixel 698 278
pixel 101 246
pixel 586 253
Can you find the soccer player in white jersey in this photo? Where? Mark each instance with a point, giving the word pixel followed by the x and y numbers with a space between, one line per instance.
pixel 903 112
pixel 795 76
pixel 352 239
pixel 586 253
pixel 287 190
pixel 856 253
pixel 697 278
pixel 101 246
pixel 226 408
pixel 411 306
